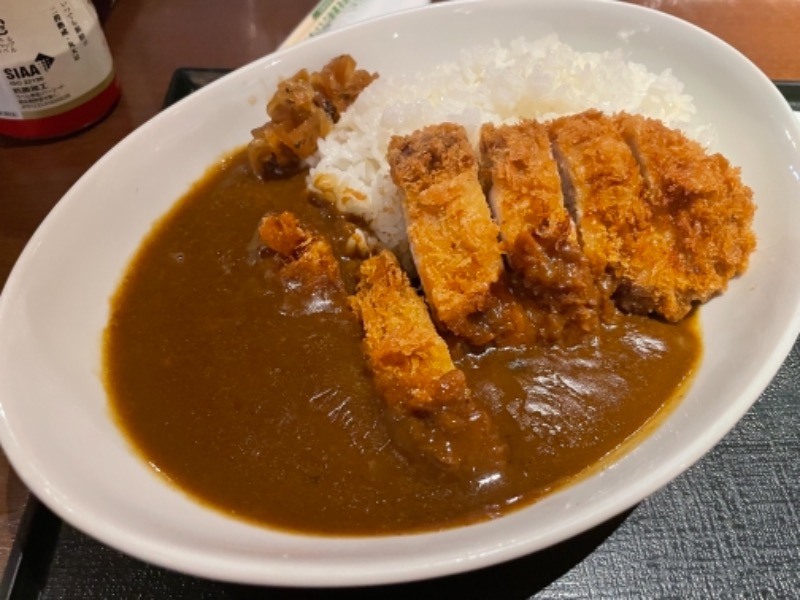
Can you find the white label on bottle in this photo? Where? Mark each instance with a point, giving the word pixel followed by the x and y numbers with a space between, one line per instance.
pixel 53 57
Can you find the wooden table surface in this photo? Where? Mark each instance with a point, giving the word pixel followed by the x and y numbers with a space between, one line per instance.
pixel 149 39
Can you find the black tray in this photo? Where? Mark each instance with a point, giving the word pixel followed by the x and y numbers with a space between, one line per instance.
pixel 790 91
pixel 727 528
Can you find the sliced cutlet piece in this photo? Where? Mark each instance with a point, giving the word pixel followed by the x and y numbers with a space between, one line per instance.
pixel 405 353
pixel 538 234
pixel 453 239
pixel 604 188
pixel 701 226
pixel 414 373
pixel 308 266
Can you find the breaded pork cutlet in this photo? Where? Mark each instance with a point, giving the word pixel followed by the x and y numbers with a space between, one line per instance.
pixel 453 239
pixel 307 261
pixel 701 222
pixel 669 223
pixel 410 361
pixel 415 374
pixel 538 234
pixel 603 188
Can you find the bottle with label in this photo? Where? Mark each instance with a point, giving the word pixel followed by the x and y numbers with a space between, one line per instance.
pixel 56 71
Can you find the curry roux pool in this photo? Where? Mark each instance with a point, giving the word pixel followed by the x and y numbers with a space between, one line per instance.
pixel 265 410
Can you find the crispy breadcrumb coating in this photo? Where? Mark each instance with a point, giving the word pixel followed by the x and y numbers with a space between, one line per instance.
pixel 701 222
pixel 604 187
pixel 430 408
pixel 410 361
pixel 538 235
pixel 452 237
pixel 669 223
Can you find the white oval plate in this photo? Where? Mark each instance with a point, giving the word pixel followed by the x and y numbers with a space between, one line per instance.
pixel 55 425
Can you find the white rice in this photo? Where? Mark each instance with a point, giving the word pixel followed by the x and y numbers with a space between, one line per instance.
pixel 537 79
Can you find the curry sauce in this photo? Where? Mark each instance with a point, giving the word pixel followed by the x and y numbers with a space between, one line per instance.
pixel 246 396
